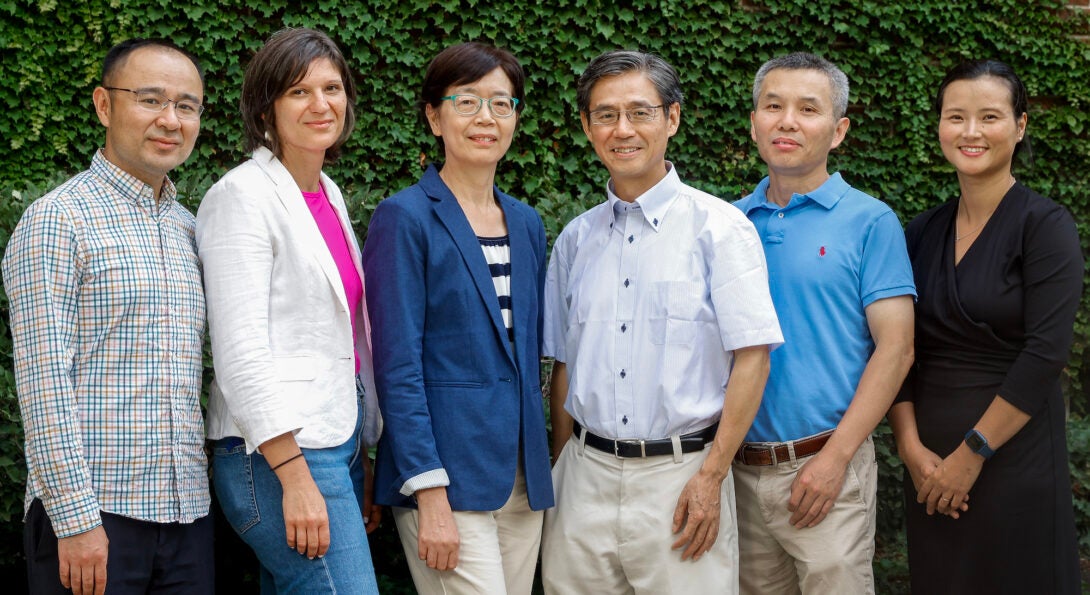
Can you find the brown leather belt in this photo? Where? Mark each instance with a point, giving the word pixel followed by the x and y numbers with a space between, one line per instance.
pixel 629 449
pixel 756 453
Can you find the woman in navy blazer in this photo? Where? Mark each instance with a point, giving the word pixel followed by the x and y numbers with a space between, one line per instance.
pixel 455 272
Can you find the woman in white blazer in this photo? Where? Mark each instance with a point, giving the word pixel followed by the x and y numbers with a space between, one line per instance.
pixel 292 407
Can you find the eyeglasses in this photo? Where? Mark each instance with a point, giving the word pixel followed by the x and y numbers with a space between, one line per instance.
pixel 467 105
pixel 609 117
pixel 185 109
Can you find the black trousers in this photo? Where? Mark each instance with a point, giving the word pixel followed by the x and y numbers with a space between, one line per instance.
pixel 144 557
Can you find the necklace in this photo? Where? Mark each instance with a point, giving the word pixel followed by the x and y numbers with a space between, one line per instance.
pixel 958 237
pixel 961 209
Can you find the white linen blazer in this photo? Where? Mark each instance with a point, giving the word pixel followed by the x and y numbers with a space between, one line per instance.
pixel 282 344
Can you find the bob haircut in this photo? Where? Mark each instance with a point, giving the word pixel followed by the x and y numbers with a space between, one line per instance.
pixel 974 69
pixel 282 62
pixel 465 63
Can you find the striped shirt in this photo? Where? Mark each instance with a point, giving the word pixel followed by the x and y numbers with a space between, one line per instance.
pixel 497 253
pixel 107 316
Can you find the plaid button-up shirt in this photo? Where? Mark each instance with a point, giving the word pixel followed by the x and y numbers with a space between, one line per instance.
pixel 107 315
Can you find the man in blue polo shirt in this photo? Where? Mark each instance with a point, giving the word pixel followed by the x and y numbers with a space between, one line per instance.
pixel 842 286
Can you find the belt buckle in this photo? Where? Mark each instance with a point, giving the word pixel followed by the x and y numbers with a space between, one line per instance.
pixel 617 447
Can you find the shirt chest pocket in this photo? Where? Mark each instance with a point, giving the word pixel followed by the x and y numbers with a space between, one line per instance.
pixel 677 309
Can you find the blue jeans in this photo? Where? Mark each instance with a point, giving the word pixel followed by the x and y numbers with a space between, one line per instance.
pixel 252 501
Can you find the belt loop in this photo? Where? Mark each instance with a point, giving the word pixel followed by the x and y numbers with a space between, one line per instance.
pixel 791 454
pixel 582 441
pixel 772 455
pixel 675 441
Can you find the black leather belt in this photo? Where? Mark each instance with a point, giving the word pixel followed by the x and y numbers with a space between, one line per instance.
pixel 635 449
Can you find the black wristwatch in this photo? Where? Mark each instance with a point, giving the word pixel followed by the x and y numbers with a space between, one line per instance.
pixel 978 444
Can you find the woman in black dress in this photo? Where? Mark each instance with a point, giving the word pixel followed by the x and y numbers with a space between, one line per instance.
pixel 980 421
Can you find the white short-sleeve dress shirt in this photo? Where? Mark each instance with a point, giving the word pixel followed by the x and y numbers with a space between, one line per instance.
pixel 645 303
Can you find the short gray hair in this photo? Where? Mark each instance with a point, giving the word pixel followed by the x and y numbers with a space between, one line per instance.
pixel 838 81
pixel 618 62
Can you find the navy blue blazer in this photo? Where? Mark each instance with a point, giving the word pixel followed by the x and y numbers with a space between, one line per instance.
pixel 452 393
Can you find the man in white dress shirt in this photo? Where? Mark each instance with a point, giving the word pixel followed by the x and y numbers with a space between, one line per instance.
pixel 659 318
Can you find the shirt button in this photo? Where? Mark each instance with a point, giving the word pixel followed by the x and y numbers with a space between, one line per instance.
pixel 626 282
pixel 624 420
pixel 624 327
pixel 623 374
pixel 780 215
pixel 631 239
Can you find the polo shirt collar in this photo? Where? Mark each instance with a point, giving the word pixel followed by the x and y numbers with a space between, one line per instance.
pixel 826 195
pixel 652 204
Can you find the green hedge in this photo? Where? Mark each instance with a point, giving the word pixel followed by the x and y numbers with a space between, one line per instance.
pixel 894 54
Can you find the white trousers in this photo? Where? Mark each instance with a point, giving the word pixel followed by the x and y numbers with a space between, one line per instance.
pixel 832 558
pixel 497 554
pixel 611 529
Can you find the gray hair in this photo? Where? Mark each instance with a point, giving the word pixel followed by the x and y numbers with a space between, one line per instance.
pixel 618 62
pixel 838 81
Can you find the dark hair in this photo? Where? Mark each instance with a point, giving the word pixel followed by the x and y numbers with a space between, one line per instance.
pixel 465 63
pixel 618 62
pixel 974 69
pixel 115 58
pixel 838 81
pixel 282 62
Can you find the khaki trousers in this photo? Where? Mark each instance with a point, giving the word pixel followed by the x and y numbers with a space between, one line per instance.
pixel 832 558
pixel 498 551
pixel 610 532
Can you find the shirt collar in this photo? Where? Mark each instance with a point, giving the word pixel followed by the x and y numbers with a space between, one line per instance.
pixel 131 188
pixel 654 203
pixel 826 195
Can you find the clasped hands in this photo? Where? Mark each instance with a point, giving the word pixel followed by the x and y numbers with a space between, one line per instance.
pixel 943 484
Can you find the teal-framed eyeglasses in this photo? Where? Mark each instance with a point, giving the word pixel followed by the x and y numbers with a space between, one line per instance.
pixel 609 117
pixel 152 101
pixel 467 105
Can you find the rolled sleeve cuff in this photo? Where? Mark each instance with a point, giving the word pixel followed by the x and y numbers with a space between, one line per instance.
pixel 770 335
pixel 72 514
pixel 435 478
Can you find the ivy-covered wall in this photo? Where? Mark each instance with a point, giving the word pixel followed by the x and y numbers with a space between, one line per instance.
pixel 893 52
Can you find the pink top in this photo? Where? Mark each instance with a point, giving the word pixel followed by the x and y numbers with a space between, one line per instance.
pixel 330 226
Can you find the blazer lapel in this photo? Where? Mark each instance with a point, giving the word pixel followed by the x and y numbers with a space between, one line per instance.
pixel 523 281
pixel 454 220
pixel 303 224
pixel 336 200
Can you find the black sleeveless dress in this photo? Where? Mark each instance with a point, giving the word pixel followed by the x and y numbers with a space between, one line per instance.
pixel 1000 322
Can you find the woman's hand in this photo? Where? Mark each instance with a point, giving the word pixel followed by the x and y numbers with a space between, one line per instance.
pixel 921 462
pixel 372 513
pixel 306 522
pixel 946 489
pixel 437 535
pixel 305 519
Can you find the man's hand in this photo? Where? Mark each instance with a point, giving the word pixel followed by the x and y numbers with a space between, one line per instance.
pixel 437 534
pixel 697 512
pixel 815 489
pixel 83 561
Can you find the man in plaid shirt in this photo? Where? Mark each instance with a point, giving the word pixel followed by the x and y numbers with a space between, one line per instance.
pixel 107 316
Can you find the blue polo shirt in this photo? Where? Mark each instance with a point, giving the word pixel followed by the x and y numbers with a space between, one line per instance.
pixel 830 254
